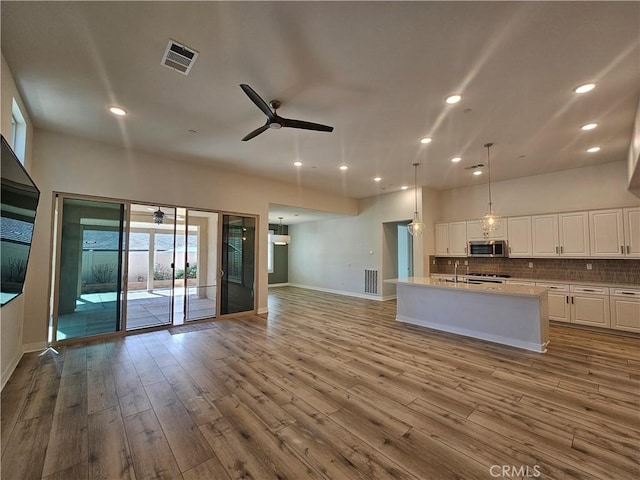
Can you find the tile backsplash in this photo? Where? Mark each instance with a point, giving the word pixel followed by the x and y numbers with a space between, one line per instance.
pixel 565 269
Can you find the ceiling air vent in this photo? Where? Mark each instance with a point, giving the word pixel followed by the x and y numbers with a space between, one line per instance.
pixel 473 167
pixel 179 57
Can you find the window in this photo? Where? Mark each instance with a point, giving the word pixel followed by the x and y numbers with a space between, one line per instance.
pixel 270 252
pixel 18 131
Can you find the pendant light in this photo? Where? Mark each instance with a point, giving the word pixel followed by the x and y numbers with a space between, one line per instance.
pixel 280 239
pixel 416 227
pixel 158 216
pixel 490 222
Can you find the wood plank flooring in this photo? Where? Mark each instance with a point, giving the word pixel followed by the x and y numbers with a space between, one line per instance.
pixel 327 387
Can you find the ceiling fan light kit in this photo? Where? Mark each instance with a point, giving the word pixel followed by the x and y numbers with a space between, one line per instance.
pixel 275 121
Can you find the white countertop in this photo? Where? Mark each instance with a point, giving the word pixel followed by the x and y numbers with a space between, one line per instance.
pixel 559 282
pixel 494 288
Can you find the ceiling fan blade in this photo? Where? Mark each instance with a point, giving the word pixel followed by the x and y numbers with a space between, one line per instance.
pixel 257 99
pixel 256 132
pixel 286 122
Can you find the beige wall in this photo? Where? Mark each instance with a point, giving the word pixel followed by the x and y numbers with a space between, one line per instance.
pixel 73 165
pixel 600 186
pixel 633 163
pixel 11 326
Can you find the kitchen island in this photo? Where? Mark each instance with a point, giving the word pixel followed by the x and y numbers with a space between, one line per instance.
pixel 514 315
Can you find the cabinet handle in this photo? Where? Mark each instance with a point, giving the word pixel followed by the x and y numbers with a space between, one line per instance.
pixel 627 293
pixel 567 298
pixel 561 249
pixel 621 249
pixel 571 300
pixel 628 250
pixel 588 290
pixel 509 250
pixel 556 249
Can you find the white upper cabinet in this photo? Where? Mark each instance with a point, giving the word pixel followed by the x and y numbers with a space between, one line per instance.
pixel 519 242
pixel 573 232
pixel 451 239
pixel 458 238
pixel 606 233
pixel 545 242
pixel 475 232
pixel 631 220
pixel 442 239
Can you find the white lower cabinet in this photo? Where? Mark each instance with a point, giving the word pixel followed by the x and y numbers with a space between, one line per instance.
pixel 558 301
pixel 625 309
pixel 590 306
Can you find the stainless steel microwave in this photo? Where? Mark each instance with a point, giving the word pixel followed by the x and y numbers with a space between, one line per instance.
pixel 488 248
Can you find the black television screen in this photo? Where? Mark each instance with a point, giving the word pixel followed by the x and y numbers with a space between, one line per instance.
pixel 18 203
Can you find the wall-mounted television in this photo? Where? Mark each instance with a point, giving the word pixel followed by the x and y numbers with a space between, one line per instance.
pixel 18 203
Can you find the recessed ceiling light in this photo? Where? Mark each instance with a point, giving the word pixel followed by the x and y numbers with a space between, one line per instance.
pixel 587 87
pixel 343 167
pixel 377 179
pixel 589 126
pixel 593 149
pixel 118 111
pixel 426 140
pixel 297 164
pixel 404 187
pixel 456 159
pixel 453 99
pixel 477 172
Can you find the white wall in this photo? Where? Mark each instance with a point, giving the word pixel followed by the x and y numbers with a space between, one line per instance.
pixel 11 327
pixel 332 255
pixel 599 186
pixel 73 165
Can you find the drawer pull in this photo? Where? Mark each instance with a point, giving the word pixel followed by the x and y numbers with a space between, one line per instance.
pixel 589 290
pixel 628 293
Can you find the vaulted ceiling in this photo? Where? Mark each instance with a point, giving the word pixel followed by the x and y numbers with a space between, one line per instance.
pixel 378 72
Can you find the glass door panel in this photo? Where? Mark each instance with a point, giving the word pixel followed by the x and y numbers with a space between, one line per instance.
pixel 88 281
pixel 238 264
pixel 179 265
pixel 151 263
pixel 201 271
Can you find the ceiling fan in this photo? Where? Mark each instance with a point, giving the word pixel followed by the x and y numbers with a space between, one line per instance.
pixel 273 119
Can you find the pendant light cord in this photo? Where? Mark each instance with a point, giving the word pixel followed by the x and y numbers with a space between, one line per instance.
pixel 415 185
pixel 488 146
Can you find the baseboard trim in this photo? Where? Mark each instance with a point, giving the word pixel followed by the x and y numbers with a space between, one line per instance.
pixel 278 285
pixel 8 371
pixel 34 347
pixel 341 292
pixel 262 311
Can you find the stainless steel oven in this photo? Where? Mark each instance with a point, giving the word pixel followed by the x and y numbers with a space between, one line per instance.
pixel 488 248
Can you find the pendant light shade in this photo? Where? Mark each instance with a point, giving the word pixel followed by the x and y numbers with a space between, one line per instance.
pixel 490 222
pixel 416 227
pixel 280 239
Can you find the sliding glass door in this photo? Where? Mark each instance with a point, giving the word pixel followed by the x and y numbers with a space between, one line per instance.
pixel 123 266
pixel 201 264
pixel 88 281
pixel 151 266
pixel 238 264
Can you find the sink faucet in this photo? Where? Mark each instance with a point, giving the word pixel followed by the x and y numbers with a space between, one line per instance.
pixel 455 271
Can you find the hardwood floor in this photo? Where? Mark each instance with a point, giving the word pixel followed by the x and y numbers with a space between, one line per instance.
pixel 327 387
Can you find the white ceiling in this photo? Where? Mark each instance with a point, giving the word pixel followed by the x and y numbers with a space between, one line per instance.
pixel 376 71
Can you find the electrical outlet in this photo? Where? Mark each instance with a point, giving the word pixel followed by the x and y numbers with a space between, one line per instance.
pixel 530 264
pixel 589 266
pixel 466 262
pixel 448 262
pixel 434 262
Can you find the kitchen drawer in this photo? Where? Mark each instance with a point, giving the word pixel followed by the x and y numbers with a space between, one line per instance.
pixel 626 292
pixel 625 309
pixel 589 290
pixel 556 287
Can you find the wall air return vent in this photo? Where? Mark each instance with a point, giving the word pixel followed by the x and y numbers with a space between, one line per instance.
pixel 371 281
pixel 179 57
